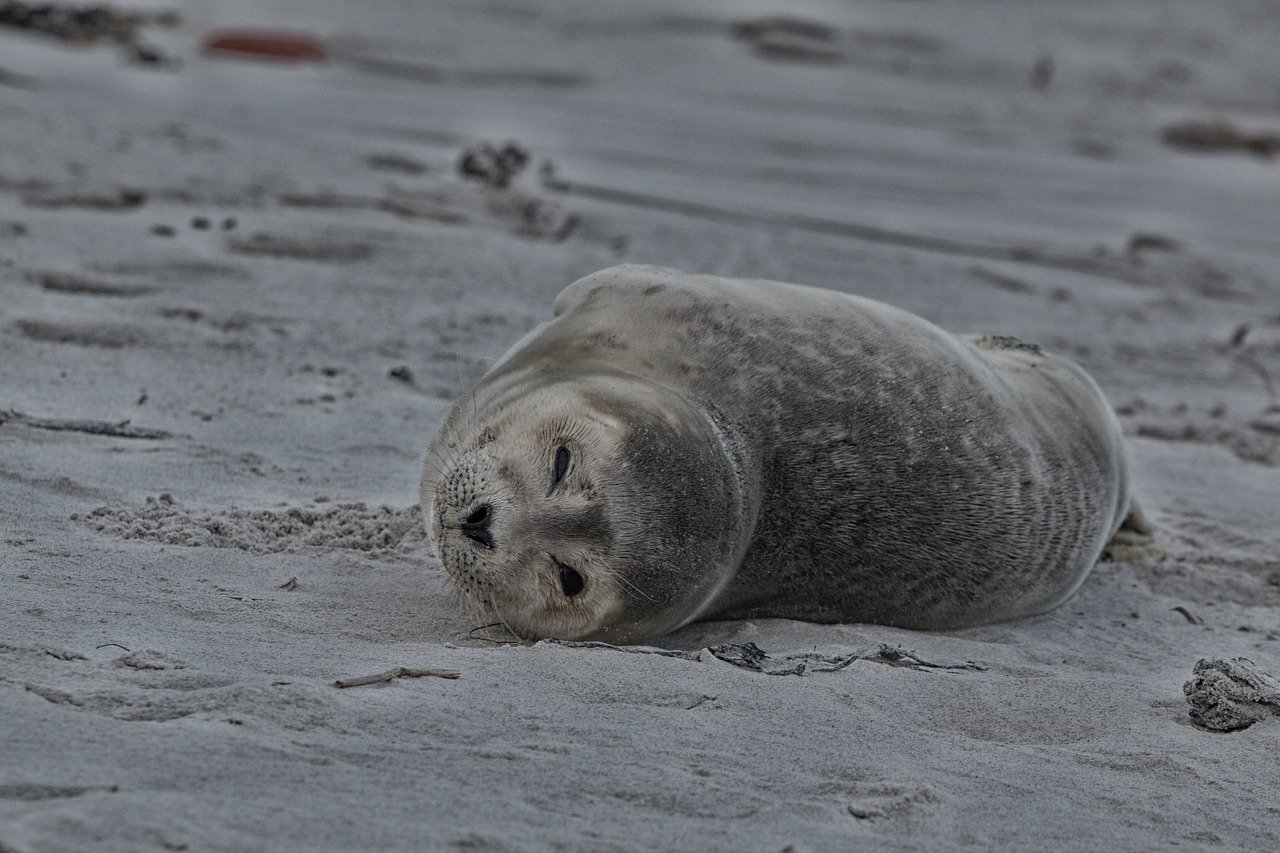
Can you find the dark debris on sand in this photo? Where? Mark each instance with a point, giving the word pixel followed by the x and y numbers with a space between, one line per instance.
pixel 1210 137
pixel 89 25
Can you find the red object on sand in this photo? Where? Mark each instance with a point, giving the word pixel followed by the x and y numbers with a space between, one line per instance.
pixel 264 44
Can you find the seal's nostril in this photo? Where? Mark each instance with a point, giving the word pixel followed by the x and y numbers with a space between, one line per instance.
pixel 480 537
pixel 479 518
pixel 476 525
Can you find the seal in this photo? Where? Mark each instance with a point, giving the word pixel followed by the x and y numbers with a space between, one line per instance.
pixel 674 447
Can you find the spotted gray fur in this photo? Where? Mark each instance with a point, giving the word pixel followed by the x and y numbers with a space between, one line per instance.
pixel 755 449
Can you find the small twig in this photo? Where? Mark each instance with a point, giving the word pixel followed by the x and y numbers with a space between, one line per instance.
pixel 1248 359
pixel 117 645
pixel 392 674
pixel 1190 617
pixel 121 429
pixel 290 585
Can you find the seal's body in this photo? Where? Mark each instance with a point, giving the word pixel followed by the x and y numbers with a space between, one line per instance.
pixel 675 447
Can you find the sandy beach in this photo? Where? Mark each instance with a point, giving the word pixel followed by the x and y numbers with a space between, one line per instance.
pixel 237 295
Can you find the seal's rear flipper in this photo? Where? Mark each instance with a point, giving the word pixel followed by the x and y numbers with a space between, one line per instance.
pixel 1132 542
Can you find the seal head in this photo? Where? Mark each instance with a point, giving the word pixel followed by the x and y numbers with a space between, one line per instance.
pixel 569 505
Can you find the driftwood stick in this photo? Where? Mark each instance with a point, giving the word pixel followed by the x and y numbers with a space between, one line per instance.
pixel 392 674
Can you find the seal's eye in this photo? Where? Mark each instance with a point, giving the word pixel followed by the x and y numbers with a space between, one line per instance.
pixel 561 466
pixel 570 581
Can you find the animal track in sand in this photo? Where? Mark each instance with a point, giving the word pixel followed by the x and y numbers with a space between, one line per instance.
pixel 80 285
pixel 28 792
pixel 109 200
pixel 174 269
pixel 878 800
pixel 353 526
pixel 323 249
pixel 96 334
pixel 1250 438
pixel 147 686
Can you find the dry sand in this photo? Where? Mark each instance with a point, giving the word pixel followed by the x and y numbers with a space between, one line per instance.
pixel 250 291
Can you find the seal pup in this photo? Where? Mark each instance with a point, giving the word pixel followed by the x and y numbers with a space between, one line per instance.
pixel 673 447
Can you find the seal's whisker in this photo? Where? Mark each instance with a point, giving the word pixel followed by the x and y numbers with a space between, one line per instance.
pixel 512 631
pixel 472 633
pixel 457 368
pixel 434 467
pixel 618 576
